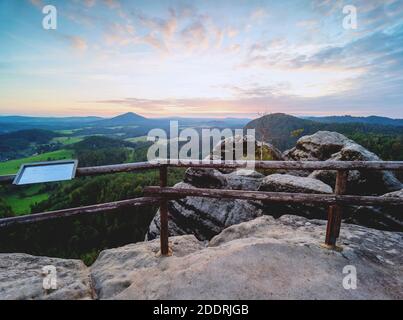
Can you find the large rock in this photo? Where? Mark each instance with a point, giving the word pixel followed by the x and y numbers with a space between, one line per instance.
pixel 319 146
pixel 241 179
pixel 289 183
pixel 206 217
pixel 394 213
pixel 263 150
pixel 380 217
pixel 326 145
pixel 21 277
pixel 264 258
pixel 294 184
pixel 276 259
pixel 115 269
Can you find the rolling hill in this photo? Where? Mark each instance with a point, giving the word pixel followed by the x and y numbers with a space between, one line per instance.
pixel 284 130
pixel 16 123
pixel 350 119
pixel 20 143
pixel 126 119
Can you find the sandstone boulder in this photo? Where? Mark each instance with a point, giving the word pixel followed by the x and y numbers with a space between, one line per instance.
pixel 380 217
pixel 289 183
pixel 294 184
pixel 326 145
pixel 277 259
pixel 114 269
pixel 263 150
pixel 21 278
pixel 206 217
pixel 264 258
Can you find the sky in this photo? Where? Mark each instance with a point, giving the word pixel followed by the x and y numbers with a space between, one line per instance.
pixel 201 58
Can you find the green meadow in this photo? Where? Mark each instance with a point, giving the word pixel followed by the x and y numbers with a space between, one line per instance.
pixel 137 139
pixel 67 140
pixel 12 166
pixel 21 200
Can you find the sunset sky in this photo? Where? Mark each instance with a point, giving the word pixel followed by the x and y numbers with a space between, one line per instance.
pixel 201 58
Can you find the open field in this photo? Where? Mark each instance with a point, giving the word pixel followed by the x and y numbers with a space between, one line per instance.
pixel 67 131
pixel 21 204
pixel 67 140
pixel 137 139
pixel 12 166
pixel 21 200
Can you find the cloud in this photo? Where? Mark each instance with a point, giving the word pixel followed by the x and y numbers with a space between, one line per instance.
pixel 155 41
pixel 253 101
pixel 120 34
pixel 160 31
pixel 308 24
pixel 112 4
pixel 259 14
pixel 372 52
pixel 232 32
pixel 195 35
pixel 378 47
pixel 37 3
pixel 183 29
pixel 89 3
pixel 78 43
pixel 257 90
pixel 166 27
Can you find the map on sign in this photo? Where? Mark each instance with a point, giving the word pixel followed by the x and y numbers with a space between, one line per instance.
pixel 41 172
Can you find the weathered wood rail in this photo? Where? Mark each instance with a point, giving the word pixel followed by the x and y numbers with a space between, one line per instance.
pixel 162 194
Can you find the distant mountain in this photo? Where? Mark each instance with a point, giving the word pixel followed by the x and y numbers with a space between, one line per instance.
pixel 284 130
pixel 125 119
pixel 350 119
pixel 277 128
pixel 129 120
pixel 15 123
pixel 47 120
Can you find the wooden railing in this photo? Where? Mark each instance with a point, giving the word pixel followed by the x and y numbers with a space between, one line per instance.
pixel 162 194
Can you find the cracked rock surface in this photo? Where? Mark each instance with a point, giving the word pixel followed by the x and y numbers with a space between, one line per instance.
pixel 264 258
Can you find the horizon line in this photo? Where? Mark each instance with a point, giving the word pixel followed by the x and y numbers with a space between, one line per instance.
pixel 235 116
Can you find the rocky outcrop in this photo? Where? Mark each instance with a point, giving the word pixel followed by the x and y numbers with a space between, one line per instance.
pixel 319 146
pixel 278 259
pixel 289 183
pixel 264 258
pixel 395 194
pixel 22 276
pixel 204 217
pixel 326 145
pixel 241 179
pixel 294 184
pixel 114 269
pixel 387 218
pixel 267 258
pixel 263 150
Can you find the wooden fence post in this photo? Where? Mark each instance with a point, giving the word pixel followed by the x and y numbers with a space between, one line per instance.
pixel 164 213
pixel 335 211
